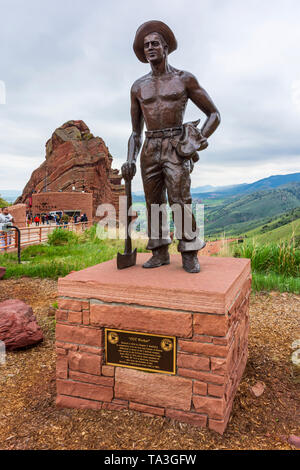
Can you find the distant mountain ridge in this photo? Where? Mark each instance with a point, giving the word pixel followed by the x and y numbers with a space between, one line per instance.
pixel 271 182
pixel 218 189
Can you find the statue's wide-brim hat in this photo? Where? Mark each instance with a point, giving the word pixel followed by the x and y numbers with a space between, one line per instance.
pixel 153 27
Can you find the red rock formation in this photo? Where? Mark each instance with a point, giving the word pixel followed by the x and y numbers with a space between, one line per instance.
pixel 19 214
pixel 74 157
pixel 18 326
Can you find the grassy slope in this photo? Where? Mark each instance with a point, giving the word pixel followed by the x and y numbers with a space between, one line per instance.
pixel 283 227
pixel 286 232
pixel 47 261
pixel 57 261
pixel 239 215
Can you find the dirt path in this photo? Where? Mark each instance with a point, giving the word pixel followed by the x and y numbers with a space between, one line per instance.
pixel 212 248
pixel 30 420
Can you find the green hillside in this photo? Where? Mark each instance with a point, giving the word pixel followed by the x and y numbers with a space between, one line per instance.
pixel 238 215
pixel 286 232
pixel 278 222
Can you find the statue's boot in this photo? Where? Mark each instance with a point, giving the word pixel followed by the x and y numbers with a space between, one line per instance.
pixel 160 256
pixel 190 261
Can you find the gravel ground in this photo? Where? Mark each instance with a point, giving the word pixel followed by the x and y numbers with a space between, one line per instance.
pixel 30 420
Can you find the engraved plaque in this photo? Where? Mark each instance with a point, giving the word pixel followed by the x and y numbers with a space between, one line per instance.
pixel 142 351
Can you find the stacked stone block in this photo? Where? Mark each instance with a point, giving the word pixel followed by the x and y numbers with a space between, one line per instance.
pixel 212 353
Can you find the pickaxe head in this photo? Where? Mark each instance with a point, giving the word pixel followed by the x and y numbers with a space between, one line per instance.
pixel 126 260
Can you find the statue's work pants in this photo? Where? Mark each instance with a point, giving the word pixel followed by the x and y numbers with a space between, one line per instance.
pixel 163 170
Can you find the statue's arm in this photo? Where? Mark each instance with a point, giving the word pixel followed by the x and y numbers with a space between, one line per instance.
pixel 137 120
pixel 204 102
pixel 135 140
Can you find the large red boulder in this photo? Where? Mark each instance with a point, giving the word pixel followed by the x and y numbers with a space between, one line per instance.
pixel 18 326
pixel 75 157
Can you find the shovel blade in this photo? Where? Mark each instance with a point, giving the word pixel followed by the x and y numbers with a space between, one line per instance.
pixel 126 260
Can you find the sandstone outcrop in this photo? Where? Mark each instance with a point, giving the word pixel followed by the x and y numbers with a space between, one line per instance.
pixel 74 157
pixel 18 326
pixel 18 212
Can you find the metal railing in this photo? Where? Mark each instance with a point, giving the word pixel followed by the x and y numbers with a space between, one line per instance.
pixel 36 235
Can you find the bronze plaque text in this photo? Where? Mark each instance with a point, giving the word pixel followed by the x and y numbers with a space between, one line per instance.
pixel 154 353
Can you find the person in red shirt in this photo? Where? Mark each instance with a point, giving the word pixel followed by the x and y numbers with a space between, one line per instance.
pixel 37 220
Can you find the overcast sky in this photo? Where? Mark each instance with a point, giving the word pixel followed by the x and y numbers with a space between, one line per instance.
pixel 70 59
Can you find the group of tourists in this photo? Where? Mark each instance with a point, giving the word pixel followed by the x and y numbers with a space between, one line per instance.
pixel 38 219
pixel 58 218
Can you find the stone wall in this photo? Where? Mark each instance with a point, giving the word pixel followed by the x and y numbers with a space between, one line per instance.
pixel 72 201
pixel 18 211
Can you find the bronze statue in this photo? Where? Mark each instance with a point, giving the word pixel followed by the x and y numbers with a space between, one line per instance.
pixel 170 150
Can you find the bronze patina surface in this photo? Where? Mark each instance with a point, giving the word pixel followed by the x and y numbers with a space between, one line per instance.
pixel 159 100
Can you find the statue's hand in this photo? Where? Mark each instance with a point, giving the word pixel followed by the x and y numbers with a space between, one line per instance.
pixel 203 144
pixel 128 170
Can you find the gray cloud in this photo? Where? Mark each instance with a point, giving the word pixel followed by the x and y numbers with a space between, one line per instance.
pixel 74 60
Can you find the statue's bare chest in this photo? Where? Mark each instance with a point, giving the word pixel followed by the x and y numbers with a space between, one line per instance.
pixel 162 89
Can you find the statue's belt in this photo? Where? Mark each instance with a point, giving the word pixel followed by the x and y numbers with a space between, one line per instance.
pixel 163 133
pixel 190 141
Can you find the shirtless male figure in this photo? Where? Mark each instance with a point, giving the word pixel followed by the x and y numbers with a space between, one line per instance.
pixel 159 100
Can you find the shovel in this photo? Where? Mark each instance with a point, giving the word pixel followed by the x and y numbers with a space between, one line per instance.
pixel 128 259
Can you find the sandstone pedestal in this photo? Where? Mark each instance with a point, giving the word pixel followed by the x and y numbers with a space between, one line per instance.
pixel 208 313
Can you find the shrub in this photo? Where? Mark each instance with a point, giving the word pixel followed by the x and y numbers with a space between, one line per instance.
pixel 90 235
pixel 61 237
pixel 279 258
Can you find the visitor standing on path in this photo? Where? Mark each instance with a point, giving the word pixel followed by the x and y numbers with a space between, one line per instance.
pixel 5 218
